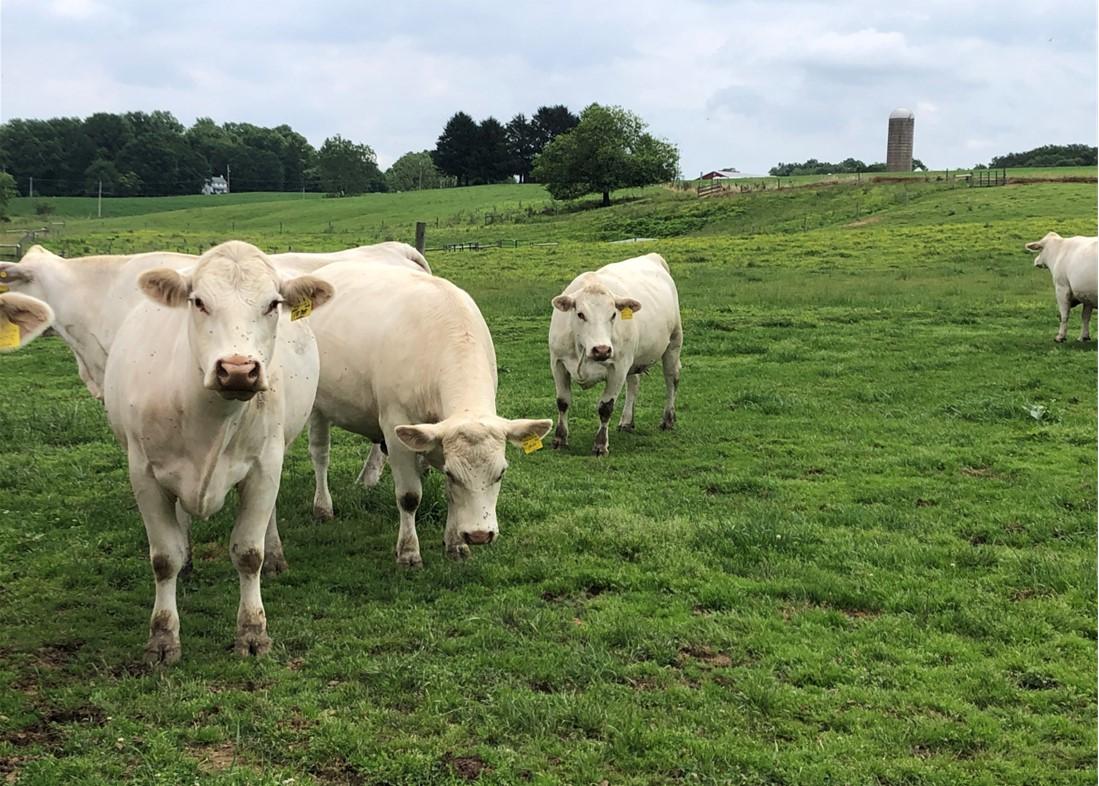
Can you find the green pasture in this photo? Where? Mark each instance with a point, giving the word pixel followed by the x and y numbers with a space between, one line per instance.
pixel 867 555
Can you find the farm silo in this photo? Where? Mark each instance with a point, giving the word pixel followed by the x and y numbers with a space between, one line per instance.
pixel 898 152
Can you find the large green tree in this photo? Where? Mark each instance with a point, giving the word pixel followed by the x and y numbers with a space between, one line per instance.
pixel 7 192
pixel 346 168
pixel 522 146
pixel 456 149
pixel 413 172
pixel 608 149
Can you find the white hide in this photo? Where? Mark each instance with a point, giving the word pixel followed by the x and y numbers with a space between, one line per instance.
pixel 1073 263
pixel 407 358
pixel 610 326
pixel 190 444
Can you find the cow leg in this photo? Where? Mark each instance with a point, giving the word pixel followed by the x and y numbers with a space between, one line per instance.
pixel 562 382
pixel 671 379
pixel 274 560
pixel 409 491
pixel 258 492
pixel 372 468
pixel 615 380
pixel 633 382
pixel 1085 327
pixel 167 553
pixel 1064 306
pixel 320 445
pixel 183 518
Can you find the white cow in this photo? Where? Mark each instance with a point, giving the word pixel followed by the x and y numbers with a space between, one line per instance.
pixel 390 252
pixel 204 388
pixel 610 326
pixel 22 319
pixel 90 297
pixel 1073 262
pixel 415 366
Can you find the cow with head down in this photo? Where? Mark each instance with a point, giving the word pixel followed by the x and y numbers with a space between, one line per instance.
pixel 206 384
pixel 610 326
pixel 1073 263
pixel 409 361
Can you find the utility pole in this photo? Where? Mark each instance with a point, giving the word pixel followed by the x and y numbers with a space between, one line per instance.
pixel 32 186
pixel 228 173
pixel 99 203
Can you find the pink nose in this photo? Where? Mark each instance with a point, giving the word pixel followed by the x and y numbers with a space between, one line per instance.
pixel 237 372
pixel 479 538
pixel 601 352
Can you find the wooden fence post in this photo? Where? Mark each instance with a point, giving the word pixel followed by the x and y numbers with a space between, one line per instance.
pixel 421 233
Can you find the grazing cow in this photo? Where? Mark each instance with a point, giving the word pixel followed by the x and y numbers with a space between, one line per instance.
pixel 415 366
pixel 205 387
pixel 1072 262
pixel 22 319
pixel 610 326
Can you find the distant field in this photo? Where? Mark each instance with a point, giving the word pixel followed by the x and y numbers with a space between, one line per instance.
pixel 867 555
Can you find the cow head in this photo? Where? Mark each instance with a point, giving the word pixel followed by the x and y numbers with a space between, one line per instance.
pixel 234 298
pixel 594 313
pixel 22 319
pixel 1045 248
pixel 25 276
pixel 470 452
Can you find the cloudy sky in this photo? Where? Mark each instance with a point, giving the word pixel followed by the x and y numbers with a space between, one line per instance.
pixel 744 84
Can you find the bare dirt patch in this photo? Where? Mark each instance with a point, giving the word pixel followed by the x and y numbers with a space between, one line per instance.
pixel 468 768
pixel 214 758
pixel 704 655
pixel 862 222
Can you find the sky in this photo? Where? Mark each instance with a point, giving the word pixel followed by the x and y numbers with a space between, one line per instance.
pixel 732 84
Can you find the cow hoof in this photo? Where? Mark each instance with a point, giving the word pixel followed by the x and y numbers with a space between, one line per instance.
pixel 322 513
pixel 667 423
pixel 1059 339
pixel 410 560
pixel 600 450
pixel 626 427
pixel 1085 339
pixel 163 649
pixel 559 443
pixel 252 641
pixel 458 551
pixel 274 564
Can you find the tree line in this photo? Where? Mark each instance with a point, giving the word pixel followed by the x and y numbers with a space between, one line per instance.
pixel 153 154
pixel 1049 156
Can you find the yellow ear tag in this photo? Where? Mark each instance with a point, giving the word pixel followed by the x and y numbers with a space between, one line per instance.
pixel 9 334
pixel 3 289
pixel 302 309
pixel 627 313
pixel 531 444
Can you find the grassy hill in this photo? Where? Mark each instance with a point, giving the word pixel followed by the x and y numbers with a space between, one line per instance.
pixel 865 556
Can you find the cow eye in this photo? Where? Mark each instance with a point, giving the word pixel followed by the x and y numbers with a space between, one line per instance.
pixel 200 305
pixel 581 315
pixel 501 475
pixel 450 476
pixel 613 315
pixel 273 306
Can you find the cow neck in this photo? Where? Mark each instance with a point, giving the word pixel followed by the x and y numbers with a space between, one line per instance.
pixel 75 290
pixel 468 382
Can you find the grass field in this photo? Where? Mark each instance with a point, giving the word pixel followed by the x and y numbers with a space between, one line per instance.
pixel 866 555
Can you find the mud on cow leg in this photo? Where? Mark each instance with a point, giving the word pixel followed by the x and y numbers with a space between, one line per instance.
pixel 601 448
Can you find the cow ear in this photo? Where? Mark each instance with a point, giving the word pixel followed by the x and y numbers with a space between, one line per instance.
pixel 422 438
pixel 30 316
pixel 564 303
pixel 14 273
pixel 165 286
pixel 1035 246
pixel 307 288
pixel 626 302
pixel 519 431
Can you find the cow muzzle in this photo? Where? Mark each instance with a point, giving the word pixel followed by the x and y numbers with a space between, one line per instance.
pixel 480 537
pixel 238 378
pixel 601 353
